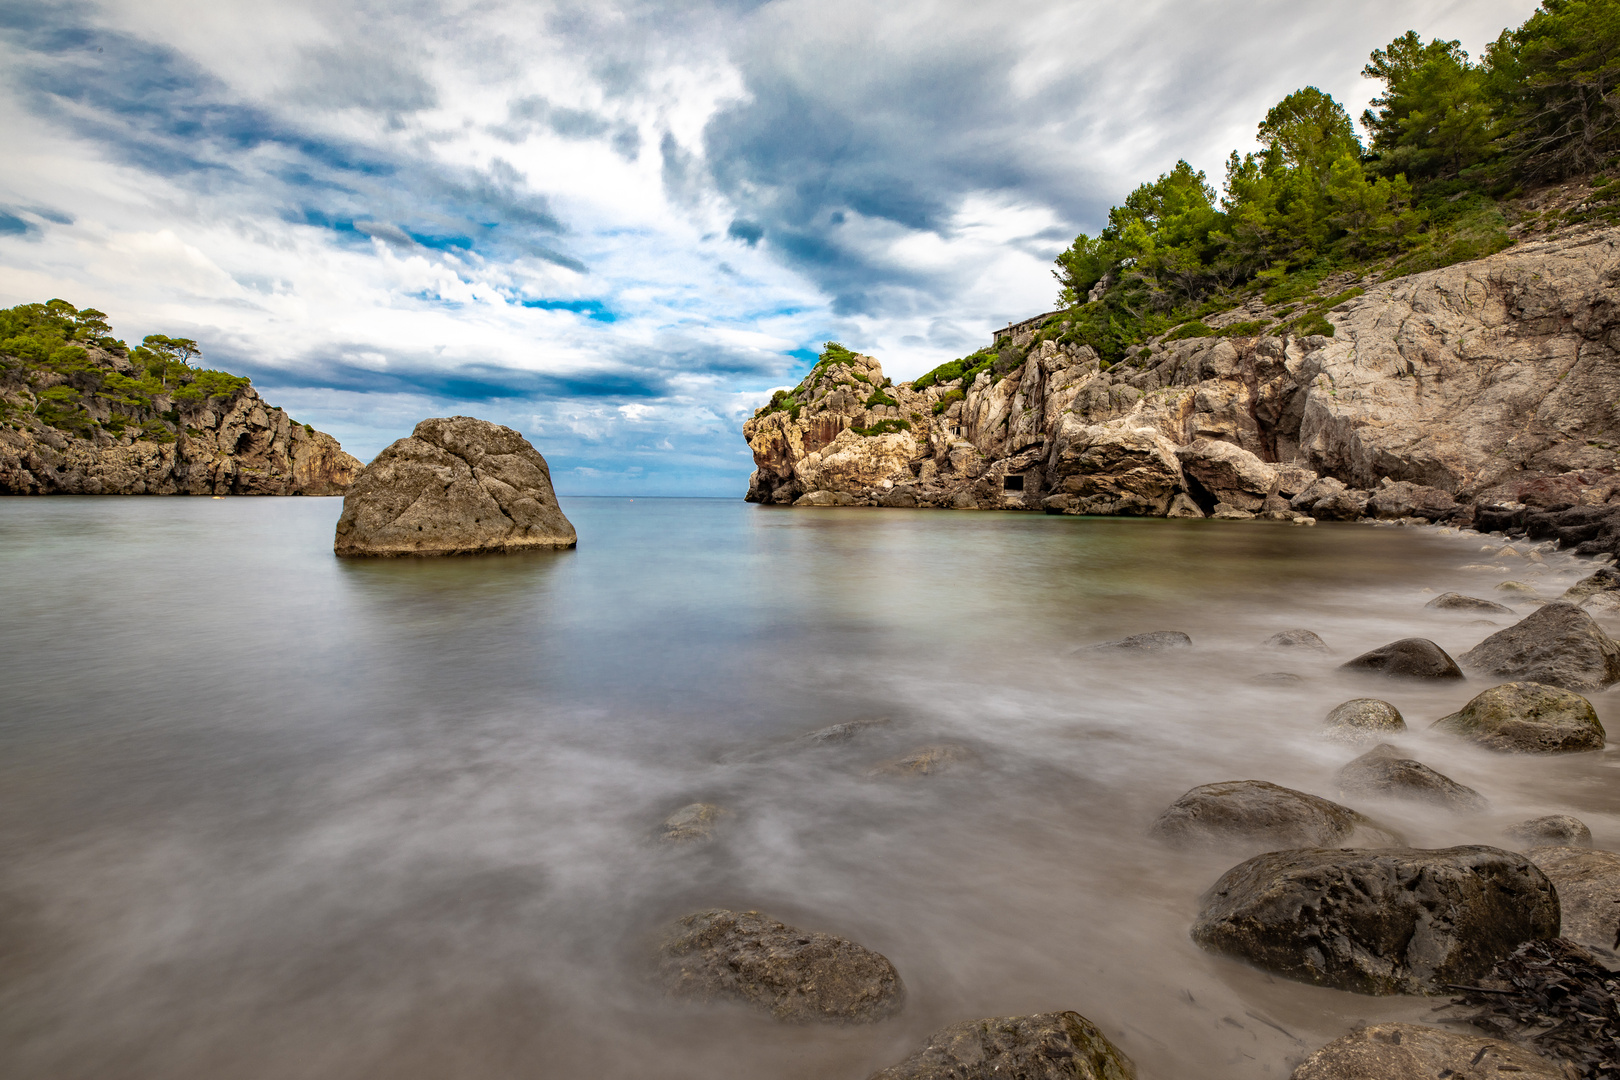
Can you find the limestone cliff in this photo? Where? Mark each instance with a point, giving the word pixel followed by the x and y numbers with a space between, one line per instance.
pixel 1496 381
pixel 175 443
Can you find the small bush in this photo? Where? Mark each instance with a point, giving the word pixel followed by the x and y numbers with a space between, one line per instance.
pixel 951 398
pixel 1193 328
pixel 883 427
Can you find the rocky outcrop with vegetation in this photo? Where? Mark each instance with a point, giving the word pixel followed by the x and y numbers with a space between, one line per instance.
pixel 81 413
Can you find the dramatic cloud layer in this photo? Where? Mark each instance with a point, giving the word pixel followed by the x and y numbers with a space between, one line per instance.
pixel 615 226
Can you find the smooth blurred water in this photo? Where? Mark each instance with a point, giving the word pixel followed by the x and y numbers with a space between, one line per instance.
pixel 268 814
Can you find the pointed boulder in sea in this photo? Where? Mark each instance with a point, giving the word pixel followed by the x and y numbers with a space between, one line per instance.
pixel 456 486
pixel 1410 658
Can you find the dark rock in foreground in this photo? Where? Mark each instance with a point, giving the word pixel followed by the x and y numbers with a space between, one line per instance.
pixel 1382 773
pixel 1156 641
pixel 1046 1046
pixel 1588 883
pixel 1363 718
pixel 796 975
pixel 1458 602
pixel 457 486
pixel 1390 921
pixel 1554 830
pixel 1411 658
pixel 1557 644
pixel 1527 717
pixel 1413 1052
pixel 1257 815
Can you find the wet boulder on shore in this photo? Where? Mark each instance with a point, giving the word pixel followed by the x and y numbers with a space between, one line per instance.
pixel 456 486
pixel 1554 830
pixel 1383 773
pixel 796 975
pixel 1362 719
pixel 1365 920
pixel 1259 816
pixel 1557 644
pixel 1045 1046
pixel 1588 883
pixel 1408 658
pixel 1527 718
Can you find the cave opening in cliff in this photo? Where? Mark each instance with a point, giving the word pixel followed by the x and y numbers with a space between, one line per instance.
pixel 1012 482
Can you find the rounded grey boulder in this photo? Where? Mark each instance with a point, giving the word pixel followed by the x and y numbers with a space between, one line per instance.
pixel 1554 830
pixel 1557 644
pixel 457 486
pixel 1297 639
pixel 796 975
pixel 1458 602
pixel 1412 1052
pixel 1528 718
pixel 1260 816
pixel 1363 718
pixel 1410 658
pixel 1382 773
pixel 1366 921
pixel 1045 1046
pixel 1588 882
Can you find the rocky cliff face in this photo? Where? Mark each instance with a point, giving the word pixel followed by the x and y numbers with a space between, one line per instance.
pixel 1495 381
pixel 231 444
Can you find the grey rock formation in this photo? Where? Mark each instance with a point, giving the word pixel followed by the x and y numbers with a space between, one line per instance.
pixel 457 486
pixel 1228 474
pixel 693 823
pixel 1304 640
pixel 1255 815
pixel 1557 644
pixel 796 975
pixel 1554 830
pixel 1398 1051
pixel 1588 883
pixel 1407 500
pixel 1153 641
pixel 1458 602
pixel 1409 658
pixel 1364 920
pixel 1528 718
pixel 1046 1046
pixel 1362 719
pixel 1383 773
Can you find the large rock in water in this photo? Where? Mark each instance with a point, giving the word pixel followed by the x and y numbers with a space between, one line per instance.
pixel 1527 717
pixel 1588 883
pixel 1390 921
pixel 1558 644
pixel 1231 474
pixel 1382 773
pixel 1115 468
pixel 457 486
pixel 1409 658
pixel 1361 719
pixel 1458 602
pixel 1413 1052
pixel 796 974
pixel 1046 1046
pixel 1261 816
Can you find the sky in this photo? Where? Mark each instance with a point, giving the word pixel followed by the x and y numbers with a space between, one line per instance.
pixel 615 226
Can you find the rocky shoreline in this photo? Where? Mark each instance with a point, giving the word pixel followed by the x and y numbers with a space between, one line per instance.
pixel 1482 390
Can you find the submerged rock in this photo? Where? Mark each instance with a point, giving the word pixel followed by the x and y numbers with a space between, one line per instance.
pixel 840 733
pixel 1046 1046
pixel 692 823
pixel 1156 641
pixel 1458 602
pixel 1558 644
pixel 796 975
pixel 1363 718
pixel 1382 773
pixel 927 760
pixel 1411 658
pixel 457 486
pixel 1297 639
pixel 1258 815
pixel 1527 718
pixel 1588 883
pixel 1277 678
pixel 1365 920
pixel 1554 830
pixel 1412 1052
pixel 1604 580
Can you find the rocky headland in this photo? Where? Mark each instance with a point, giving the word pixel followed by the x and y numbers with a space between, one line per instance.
pixel 83 414
pixel 1482 390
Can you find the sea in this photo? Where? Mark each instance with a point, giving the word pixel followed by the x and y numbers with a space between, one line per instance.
pixel 268 814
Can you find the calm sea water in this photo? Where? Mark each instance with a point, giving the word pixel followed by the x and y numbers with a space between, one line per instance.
pixel 265 814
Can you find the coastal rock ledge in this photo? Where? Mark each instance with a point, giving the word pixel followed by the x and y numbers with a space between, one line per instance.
pixel 457 486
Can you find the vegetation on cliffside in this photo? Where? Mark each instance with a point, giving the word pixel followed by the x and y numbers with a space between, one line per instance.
pixel 49 372
pixel 1451 140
